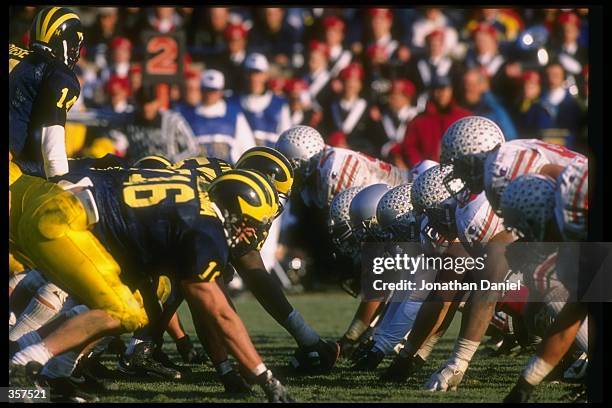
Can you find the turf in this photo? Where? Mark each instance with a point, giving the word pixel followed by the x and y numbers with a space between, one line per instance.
pixel 487 380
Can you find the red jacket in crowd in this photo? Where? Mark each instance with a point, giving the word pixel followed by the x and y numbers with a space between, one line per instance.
pixel 424 134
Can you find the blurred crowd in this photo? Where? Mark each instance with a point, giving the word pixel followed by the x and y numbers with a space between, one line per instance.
pixel 384 81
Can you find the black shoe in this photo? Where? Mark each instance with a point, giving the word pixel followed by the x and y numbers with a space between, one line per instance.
pixel 315 359
pixel 142 364
pixel 116 346
pixel 65 390
pixel 520 393
pixel 186 350
pixel 369 361
pixel 402 367
pixel 24 375
pixel 161 357
pixel 91 367
pixel 234 383
pixel 13 348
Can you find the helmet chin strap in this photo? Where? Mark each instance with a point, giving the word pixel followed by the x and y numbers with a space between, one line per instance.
pixel 65 45
pixel 222 219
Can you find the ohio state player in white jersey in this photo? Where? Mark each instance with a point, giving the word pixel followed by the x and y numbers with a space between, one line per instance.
pixel 518 157
pixel 572 200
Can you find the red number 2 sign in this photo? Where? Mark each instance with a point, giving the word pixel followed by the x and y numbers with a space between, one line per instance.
pixel 165 51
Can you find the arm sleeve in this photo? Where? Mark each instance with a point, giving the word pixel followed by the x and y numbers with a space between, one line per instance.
pixel 244 137
pixel 53 145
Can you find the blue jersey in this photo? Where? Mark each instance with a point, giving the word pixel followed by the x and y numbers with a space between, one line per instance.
pixel 41 91
pixel 265 123
pixel 151 219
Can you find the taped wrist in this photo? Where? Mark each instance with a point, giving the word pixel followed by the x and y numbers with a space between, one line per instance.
pixel 355 330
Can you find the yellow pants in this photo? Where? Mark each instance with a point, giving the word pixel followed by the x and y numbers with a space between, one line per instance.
pixel 48 230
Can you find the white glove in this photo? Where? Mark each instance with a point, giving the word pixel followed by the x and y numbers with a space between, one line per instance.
pixel 446 378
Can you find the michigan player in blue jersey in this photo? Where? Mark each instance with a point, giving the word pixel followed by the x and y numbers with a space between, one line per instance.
pixel 108 235
pixel 43 88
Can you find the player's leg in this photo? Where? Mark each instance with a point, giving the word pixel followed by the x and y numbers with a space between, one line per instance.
pixel 207 300
pixel 555 345
pixel 24 291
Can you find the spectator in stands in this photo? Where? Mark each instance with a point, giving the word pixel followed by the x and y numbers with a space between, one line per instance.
pixel 231 60
pixel 318 77
pixel 120 59
pixel 192 96
pixel 339 57
pixel 478 98
pixel 433 18
pixel 506 21
pixel 220 127
pixel 486 55
pixel 558 116
pixel 277 85
pixel 157 132
pixel 435 62
pixel 424 134
pixel 208 32
pixel 118 90
pixel 164 19
pixel 571 55
pixel 100 35
pixel 348 123
pixel 274 37
pixel 267 114
pixel 397 114
pixel 300 104
pixel 380 22
pixel 135 77
pixel 530 94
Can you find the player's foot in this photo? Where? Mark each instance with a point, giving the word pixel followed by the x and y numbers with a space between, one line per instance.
pixel 520 393
pixel 318 358
pixel 161 357
pixel 116 346
pixel 275 391
pixel 141 363
pixel 402 368
pixel 234 383
pixel 369 361
pixel 185 348
pixel 91 367
pixel 65 390
pixel 13 348
pixel 446 378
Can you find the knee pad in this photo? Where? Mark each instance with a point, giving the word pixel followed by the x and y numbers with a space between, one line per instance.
pixel 130 312
pixel 33 281
pixel 60 214
pixel 52 295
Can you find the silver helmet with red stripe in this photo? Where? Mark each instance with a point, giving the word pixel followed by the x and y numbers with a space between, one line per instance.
pixel 396 216
pixel 466 144
pixel 528 204
pixel 362 213
pixel 300 144
pixel 339 222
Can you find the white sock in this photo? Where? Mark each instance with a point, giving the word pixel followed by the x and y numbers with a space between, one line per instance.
pixel 132 344
pixel 28 339
pixel 463 353
pixel 428 346
pixel 260 369
pixel 536 370
pixel 36 352
pixel 35 315
pixel 15 279
pixel 61 366
pixel 12 320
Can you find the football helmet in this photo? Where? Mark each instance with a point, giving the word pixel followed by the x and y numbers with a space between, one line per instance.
pixel 396 216
pixel 247 202
pixel 339 222
pixel 362 213
pixel 273 164
pixel 58 32
pixel 152 162
pixel 432 197
pixel 465 144
pixel 208 167
pixel 300 144
pixel 527 205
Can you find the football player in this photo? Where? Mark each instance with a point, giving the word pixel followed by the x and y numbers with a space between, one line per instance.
pixel 43 88
pixel 129 212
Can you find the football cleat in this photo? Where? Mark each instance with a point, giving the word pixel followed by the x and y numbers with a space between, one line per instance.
pixel 520 393
pixel 66 390
pixel 318 358
pixel 24 375
pixel 142 364
pixel 185 348
pixel 448 377
pixel 234 383
pixel 369 361
pixel 163 358
pixel 403 367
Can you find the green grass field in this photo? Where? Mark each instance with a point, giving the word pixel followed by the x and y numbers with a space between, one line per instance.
pixel 487 380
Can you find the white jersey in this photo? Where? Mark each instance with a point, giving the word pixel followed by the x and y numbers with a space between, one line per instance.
pixel 572 200
pixel 476 222
pixel 338 169
pixel 519 157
